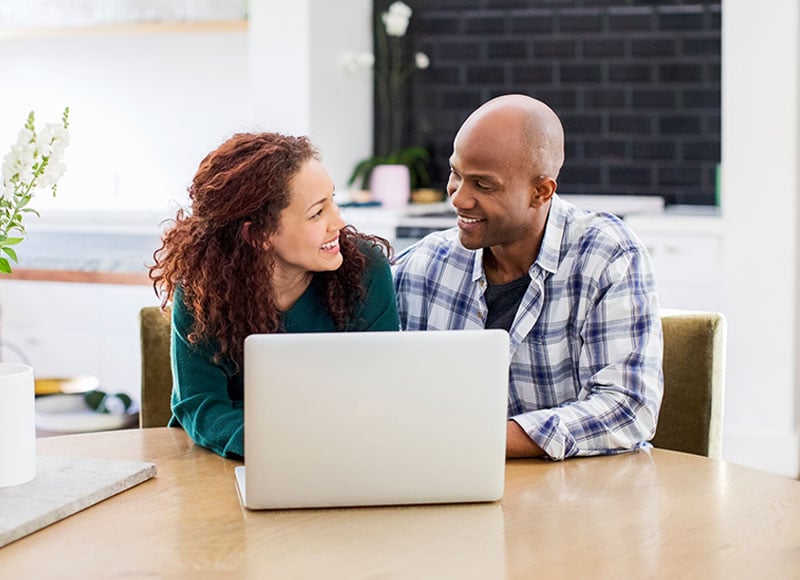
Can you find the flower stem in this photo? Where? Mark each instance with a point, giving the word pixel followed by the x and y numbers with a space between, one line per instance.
pixel 382 79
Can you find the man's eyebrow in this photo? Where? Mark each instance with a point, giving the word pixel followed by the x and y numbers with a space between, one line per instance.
pixel 477 175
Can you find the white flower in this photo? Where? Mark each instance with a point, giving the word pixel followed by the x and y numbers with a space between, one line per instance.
pixel 401 9
pixel 34 161
pixel 422 61
pixel 52 173
pixel 18 163
pixel 348 62
pixel 365 59
pixel 53 140
pixel 396 19
pixel 352 62
pixel 25 138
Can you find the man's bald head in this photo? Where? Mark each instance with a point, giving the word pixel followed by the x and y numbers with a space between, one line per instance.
pixel 523 128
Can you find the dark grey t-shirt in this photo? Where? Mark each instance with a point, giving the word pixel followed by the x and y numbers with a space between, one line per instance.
pixel 503 301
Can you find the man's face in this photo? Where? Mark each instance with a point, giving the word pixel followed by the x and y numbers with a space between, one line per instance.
pixel 491 186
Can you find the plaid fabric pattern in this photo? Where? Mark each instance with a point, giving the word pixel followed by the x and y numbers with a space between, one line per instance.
pixel 585 368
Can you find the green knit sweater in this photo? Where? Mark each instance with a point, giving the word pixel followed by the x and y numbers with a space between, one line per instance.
pixel 207 398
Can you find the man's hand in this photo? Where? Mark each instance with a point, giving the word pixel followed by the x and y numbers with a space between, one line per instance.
pixel 518 444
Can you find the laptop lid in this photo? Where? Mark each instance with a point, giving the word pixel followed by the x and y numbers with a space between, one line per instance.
pixel 374 418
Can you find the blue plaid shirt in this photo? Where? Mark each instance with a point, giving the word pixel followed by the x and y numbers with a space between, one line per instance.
pixel 585 370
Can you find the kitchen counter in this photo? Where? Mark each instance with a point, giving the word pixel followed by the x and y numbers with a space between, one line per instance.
pixel 101 247
pixel 115 246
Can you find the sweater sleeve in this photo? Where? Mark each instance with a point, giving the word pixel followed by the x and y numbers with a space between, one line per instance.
pixel 378 310
pixel 200 399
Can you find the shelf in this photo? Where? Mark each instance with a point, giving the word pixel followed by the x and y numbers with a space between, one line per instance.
pixel 132 29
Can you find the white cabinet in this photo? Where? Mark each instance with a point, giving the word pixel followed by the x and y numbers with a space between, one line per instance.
pixel 67 329
pixel 687 258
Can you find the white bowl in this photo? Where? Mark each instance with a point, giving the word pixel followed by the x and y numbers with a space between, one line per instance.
pixel 69 413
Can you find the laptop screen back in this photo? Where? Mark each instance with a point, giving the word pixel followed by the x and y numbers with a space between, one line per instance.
pixel 375 418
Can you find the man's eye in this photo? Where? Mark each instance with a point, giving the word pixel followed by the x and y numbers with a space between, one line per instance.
pixel 481 185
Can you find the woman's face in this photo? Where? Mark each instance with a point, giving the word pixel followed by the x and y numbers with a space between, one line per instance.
pixel 307 239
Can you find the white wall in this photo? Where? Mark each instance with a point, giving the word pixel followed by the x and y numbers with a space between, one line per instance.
pixel 760 165
pixel 146 108
pixel 341 107
pixel 298 83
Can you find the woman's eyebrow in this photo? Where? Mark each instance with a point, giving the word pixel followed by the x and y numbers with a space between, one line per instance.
pixel 316 203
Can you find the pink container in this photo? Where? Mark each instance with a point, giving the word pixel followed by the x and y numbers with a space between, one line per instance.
pixel 391 185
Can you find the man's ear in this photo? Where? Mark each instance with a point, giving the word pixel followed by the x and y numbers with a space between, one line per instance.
pixel 543 188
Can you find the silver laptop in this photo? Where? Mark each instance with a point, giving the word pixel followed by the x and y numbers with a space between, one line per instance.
pixel 374 418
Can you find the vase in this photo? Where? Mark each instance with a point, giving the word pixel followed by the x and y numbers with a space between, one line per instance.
pixel 17 425
pixel 391 185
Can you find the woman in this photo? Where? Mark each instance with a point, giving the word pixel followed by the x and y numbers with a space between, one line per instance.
pixel 263 249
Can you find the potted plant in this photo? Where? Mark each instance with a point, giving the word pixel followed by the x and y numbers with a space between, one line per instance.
pixel 34 162
pixel 415 158
pixel 392 70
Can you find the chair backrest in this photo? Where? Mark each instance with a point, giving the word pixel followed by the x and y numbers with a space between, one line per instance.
pixel 694 376
pixel 154 333
pixel 690 419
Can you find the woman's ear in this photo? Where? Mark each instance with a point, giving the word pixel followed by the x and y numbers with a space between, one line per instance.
pixel 247 236
pixel 246 232
pixel 543 188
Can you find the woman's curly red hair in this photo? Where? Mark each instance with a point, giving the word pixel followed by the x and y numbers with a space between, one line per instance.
pixel 225 279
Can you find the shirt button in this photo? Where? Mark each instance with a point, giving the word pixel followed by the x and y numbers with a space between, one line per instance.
pixel 482 315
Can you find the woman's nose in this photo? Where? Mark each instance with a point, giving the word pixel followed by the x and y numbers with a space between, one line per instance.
pixel 338 222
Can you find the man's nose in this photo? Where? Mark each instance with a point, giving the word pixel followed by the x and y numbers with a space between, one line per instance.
pixel 458 195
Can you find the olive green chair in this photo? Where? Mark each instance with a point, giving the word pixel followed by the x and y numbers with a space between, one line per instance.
pixel 691 412
pixel 154 333
pixel 694 379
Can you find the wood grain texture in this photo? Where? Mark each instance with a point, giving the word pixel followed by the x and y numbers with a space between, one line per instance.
pixel 661 514
pixel 79 276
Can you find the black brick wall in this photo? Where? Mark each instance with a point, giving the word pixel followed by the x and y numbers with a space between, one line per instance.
pixel 635 82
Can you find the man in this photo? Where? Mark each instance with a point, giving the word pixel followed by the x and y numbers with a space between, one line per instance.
pixel 574 289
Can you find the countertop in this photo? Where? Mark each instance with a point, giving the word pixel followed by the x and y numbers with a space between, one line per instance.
pixel 116 246
pixel 92 246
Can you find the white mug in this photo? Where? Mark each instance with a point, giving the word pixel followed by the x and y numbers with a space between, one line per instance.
pixel 17 425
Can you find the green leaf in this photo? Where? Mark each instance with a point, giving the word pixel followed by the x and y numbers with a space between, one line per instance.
pixel 126 400
pixel 11 241
pixel 11 254
pixel 5 267
pixel 29 123
pixel 94 399
pixel 415 158
pixel 363 171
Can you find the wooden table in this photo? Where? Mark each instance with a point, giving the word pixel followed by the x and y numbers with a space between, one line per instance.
pixel 640 515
